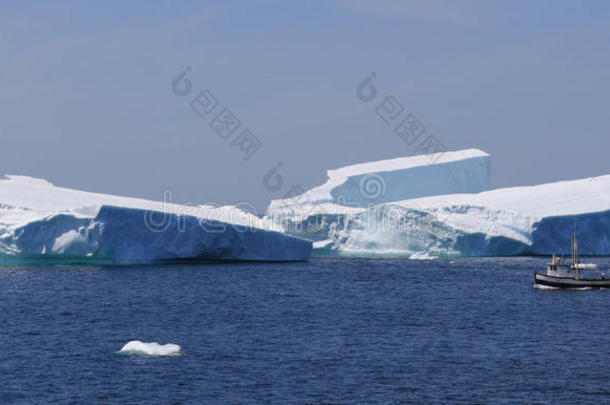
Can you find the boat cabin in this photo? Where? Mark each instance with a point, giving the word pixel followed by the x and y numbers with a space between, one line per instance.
pixel 557 269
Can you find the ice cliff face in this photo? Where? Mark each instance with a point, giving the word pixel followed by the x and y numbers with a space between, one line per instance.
pixel 367 184
pixel 41 222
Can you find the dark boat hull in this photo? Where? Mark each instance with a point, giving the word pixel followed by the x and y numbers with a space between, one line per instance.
pixel 570 282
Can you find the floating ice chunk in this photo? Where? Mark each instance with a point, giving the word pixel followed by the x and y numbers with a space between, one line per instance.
pixel 150 349
pixel 422 256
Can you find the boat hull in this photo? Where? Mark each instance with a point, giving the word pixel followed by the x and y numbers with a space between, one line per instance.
pixel 570 282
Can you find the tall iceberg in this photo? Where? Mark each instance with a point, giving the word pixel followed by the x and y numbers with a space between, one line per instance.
pixel 40 222
pixel 372 183
pixel 421 213
pixel 353 189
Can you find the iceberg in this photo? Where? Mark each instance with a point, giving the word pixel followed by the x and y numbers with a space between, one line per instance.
pixel 536 220
pixel 353 189
pixel 419 207
pixel 367 184
pixel 40 222
pixel 422 217
pixel 150 349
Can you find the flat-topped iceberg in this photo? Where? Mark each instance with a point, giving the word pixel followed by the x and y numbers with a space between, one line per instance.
pixel 353 189
pixel 503 222
pixel 419 207
pixel 42 222
pixel 367 184
pixel 415 212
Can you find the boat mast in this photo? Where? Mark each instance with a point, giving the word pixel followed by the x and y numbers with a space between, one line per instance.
pixel 574 248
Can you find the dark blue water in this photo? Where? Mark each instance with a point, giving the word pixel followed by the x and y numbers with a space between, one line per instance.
pixel 327 331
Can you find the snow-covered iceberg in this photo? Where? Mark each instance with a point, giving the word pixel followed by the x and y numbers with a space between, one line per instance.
pixel 421 215
pixel 352 189
pixel 42 222
pixel 367 184
pixel 417 207
pixel 503 222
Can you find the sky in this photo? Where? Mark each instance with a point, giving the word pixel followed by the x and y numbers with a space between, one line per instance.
pixel 87 98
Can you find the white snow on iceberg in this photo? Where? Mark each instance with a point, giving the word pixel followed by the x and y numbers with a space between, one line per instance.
pixel 39 221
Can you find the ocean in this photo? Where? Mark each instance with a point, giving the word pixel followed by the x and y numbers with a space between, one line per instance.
pixel 332 331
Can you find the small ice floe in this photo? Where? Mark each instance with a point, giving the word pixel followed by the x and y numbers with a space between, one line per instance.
pixel 150 349
pixel 422 256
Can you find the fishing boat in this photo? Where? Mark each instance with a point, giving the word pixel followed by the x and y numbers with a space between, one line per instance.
pixel 573 275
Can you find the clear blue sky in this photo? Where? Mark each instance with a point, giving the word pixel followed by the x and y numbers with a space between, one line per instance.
pixel 86 98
